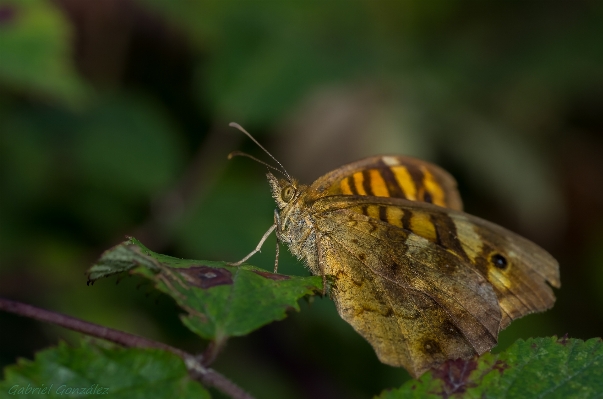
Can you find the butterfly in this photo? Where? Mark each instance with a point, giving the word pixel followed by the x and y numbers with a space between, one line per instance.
pixel 419 279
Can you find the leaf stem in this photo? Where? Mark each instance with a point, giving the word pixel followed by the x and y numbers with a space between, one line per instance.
pixel 198 372
pixel 211 352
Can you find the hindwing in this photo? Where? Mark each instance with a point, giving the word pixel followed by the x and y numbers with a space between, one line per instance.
pixel 424 284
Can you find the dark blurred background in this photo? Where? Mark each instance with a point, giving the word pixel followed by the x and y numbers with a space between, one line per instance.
pixel 113 122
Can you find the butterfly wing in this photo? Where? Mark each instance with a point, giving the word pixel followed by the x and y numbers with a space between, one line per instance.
pixel 391 176
pixel 424 284
pixel 517 268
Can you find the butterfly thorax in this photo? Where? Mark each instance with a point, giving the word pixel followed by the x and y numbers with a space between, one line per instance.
pixel 294 223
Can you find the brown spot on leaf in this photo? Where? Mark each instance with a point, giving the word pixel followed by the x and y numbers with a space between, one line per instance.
pixel 455 375
pixel 206 277
pixel 500 366
pixel 271 276
pixel 563 340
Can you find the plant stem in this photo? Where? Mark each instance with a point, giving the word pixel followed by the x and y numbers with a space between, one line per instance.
pixel 211 352
pixel 94 330
pixel 205 375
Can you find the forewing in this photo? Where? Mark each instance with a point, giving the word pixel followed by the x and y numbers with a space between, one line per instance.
pixel 416 303
pixel 517 269
pixel 391 176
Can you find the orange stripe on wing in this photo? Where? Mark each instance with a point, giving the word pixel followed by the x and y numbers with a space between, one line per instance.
pixel 372 211
pixel 405 182
pixel 432 186
pixel 345 187
pixel 394 215
pixel 421 224
pixel 378 186
pixel 358 180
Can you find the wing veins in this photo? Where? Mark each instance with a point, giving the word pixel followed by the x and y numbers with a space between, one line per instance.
pixel 415 271
pixel 540 257
pixel 401 328
pixel 418 290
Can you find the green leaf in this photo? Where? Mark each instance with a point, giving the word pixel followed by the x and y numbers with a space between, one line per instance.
pixel 536 368
pixel 35 49
pixel 121 373
pixel 221 301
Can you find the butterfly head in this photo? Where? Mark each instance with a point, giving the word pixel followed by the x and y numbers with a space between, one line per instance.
pixel 284 191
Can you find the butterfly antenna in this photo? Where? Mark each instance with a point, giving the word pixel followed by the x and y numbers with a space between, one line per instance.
pixel 237 126
pixel 244 154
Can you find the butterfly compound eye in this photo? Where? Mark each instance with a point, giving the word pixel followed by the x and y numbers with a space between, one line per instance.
pixel 287 193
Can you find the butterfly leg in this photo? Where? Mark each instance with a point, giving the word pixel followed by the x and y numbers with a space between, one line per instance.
pixel 277 223
pixel 276 259
pixel 257 249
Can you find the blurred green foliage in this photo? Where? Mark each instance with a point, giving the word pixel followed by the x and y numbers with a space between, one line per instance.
pixel 534 368
pixel 95 370
pixel 35 47
pixel 113 121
